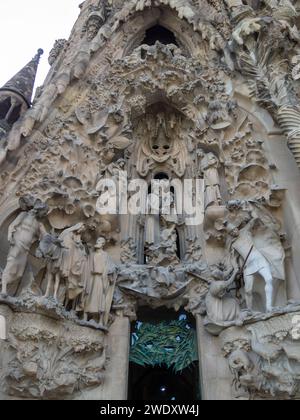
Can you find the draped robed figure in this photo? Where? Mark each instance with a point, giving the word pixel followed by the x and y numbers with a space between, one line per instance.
pixel 101 284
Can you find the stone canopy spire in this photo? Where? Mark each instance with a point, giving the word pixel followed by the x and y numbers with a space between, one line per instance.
pixel 23 82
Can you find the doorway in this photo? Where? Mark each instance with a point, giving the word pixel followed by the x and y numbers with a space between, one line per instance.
pixel 164 363
pixel 162 384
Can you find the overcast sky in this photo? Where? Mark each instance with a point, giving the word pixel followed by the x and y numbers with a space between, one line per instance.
pixel 26 25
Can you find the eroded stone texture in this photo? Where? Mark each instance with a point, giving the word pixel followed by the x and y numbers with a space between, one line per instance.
pixel 220 105
pixel 44 358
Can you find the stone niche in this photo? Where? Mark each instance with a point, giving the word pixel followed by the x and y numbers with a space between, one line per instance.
pixel 45 358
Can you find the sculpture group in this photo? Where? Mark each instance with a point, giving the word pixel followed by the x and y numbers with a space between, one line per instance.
pixel 84 278
pixel 81 279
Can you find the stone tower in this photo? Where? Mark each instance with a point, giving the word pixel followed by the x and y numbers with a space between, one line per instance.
pixel 16 95
pixel 150 207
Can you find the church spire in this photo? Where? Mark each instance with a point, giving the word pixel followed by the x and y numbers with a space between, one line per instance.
pixel 16 94
pixel 23 82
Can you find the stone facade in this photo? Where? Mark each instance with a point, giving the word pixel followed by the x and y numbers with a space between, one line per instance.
pixel 218 105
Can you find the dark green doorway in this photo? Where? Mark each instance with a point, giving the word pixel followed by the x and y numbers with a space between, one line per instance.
pixel 164 357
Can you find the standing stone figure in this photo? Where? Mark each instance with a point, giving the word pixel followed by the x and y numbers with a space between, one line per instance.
pixel 209 168
pixel 22 233
pixel 51 249
pixel 101 285
pixel 74 261
pixel 264 257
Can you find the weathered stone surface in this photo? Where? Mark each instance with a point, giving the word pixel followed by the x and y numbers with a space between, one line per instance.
pixel 42 358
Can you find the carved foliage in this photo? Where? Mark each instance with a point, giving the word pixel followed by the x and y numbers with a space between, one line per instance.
pixel 45 359
pixel 265 358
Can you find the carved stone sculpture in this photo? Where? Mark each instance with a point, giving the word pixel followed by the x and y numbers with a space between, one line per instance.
pixel 100 287
pixel 160 148
pixel 209 168
pixel 74 262
pixel 263 259
pixel 129 252
pixel 56 50
pixel 95 20
pixel 264 359
pixel 47 360
pixel 51 249
pixel 222 308
pixel 164 252
pixel 23 232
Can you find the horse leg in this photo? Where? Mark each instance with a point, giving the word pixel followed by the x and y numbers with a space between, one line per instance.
pixel 249 284
pixel 5 282
pixel 49 284
pixel 56 286
pixel 269 288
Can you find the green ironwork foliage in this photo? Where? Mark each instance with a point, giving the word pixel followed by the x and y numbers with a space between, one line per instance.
pixel 171 344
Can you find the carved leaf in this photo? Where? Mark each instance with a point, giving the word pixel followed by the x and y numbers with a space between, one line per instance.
pixel 80 114
pixel 120 142
pixel 221 125
pixel 95 122
pixel 99 120
pixel 113 130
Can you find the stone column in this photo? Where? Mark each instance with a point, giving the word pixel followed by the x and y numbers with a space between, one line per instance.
pixel 116 383
pixel 215 377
